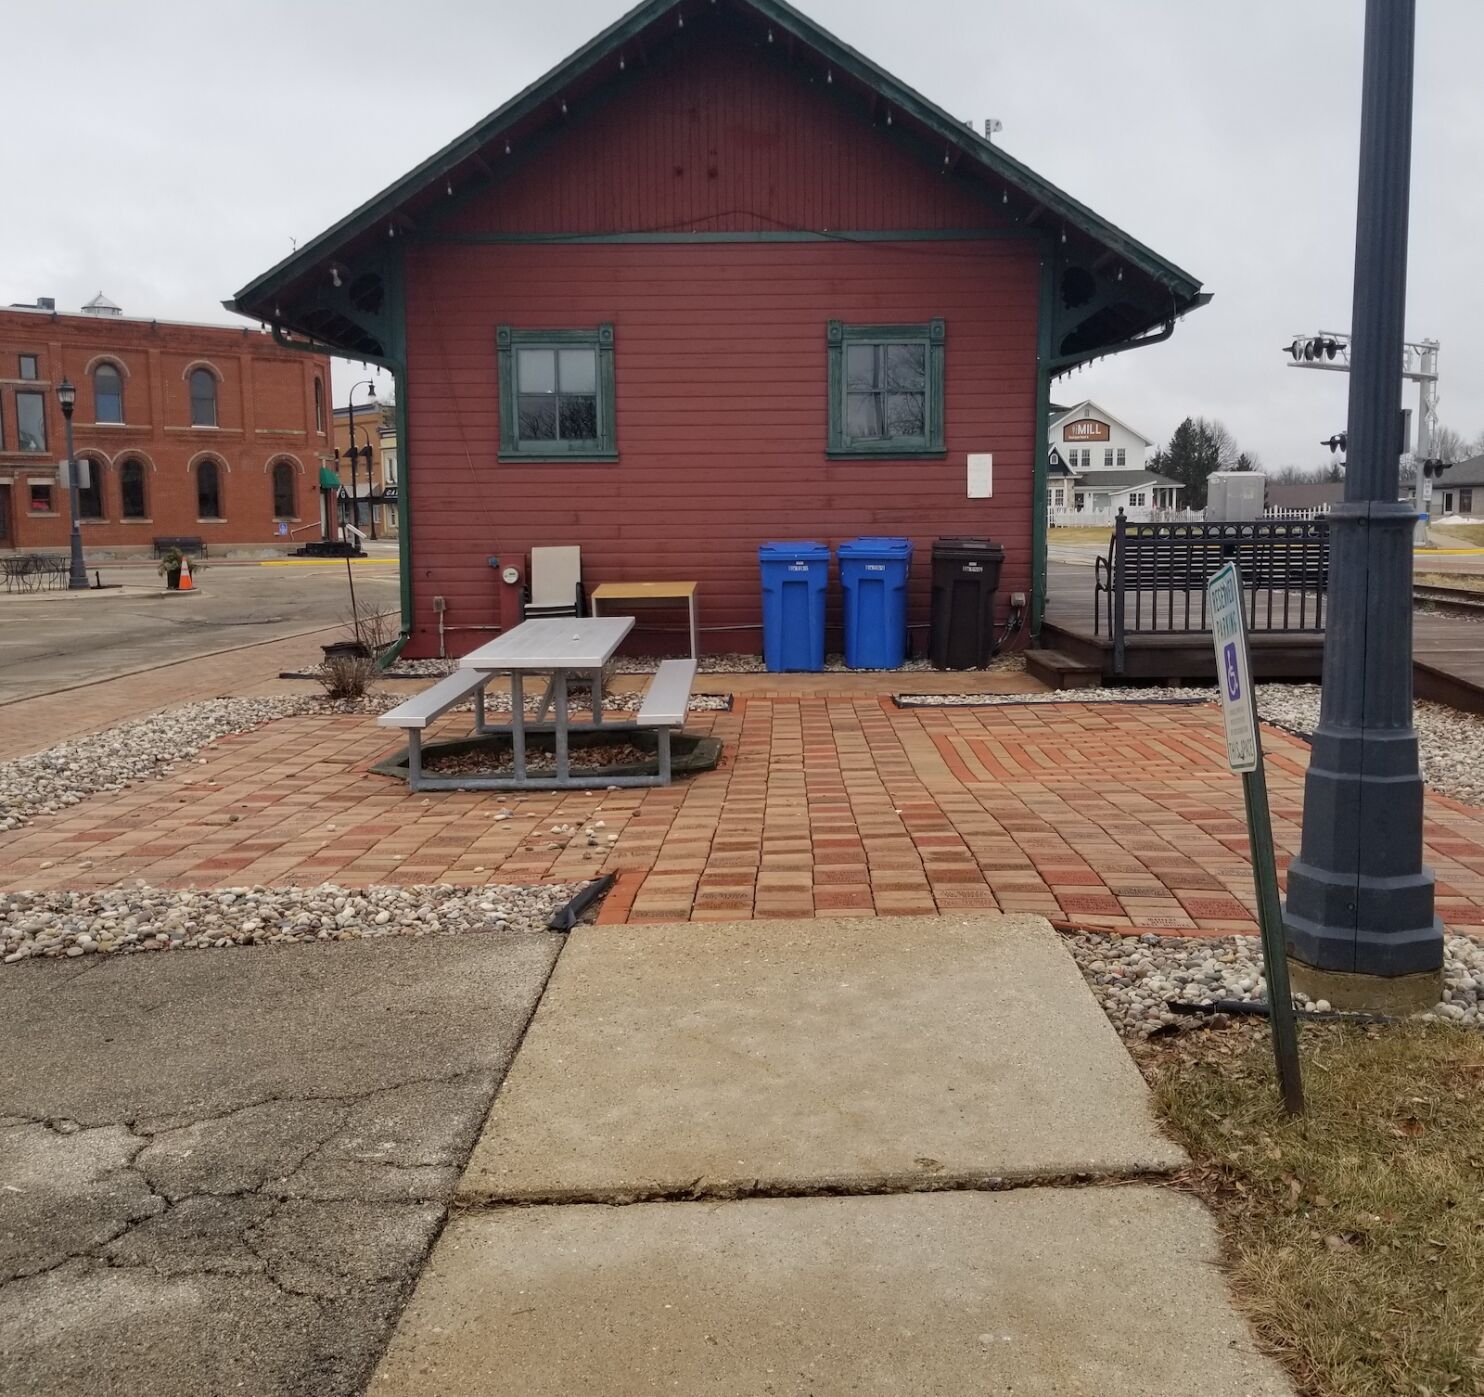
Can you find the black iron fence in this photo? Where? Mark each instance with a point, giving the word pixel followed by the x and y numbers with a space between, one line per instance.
pixel 1154 577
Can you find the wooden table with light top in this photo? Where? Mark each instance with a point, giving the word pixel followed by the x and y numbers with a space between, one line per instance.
pixel 635 594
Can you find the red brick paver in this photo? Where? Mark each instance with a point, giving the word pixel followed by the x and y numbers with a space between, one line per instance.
pixel 1106 815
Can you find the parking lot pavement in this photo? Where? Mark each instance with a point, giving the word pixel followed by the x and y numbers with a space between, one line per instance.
pixel 52 640
pixel 221 1170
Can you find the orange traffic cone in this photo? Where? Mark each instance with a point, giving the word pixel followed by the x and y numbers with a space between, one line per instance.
pixel 186 584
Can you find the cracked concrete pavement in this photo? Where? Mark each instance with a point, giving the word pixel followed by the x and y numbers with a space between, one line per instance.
pixel 220 1171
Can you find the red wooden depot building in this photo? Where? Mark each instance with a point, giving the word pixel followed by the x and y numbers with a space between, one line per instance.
pixel 717 279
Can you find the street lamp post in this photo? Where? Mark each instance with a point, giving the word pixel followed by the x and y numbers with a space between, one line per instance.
pixel 350 404
pixel 77 577
pixel 1360 921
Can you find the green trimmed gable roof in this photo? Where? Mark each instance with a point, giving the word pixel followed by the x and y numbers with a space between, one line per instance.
pixel 332 289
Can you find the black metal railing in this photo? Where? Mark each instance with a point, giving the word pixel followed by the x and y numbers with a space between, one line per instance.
pixel 1154 577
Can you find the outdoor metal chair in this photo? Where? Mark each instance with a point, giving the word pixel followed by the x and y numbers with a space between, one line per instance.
pixel 555 582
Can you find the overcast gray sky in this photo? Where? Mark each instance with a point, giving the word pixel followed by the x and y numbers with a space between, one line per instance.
pixel 166 154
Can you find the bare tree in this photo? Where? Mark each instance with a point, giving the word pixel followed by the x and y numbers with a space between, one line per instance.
pixel 1448 445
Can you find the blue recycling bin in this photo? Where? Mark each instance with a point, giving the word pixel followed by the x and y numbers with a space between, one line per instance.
pixel 795 576
pixel 873 574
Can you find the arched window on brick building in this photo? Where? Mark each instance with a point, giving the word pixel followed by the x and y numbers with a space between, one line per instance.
pixel 203 398
pixel 284 504
pixel 108 394
pixel 208 490
pixel 133 496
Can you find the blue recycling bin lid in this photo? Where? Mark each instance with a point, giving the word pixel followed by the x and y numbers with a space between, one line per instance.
pixel 793 552
pixel 876 548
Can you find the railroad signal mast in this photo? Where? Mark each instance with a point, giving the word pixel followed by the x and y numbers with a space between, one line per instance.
pixel 1330 349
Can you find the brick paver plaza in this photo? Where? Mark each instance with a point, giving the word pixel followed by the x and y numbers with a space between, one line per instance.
pixel 830 801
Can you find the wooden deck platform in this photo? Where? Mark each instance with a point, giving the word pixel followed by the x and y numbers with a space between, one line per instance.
pixel 1448 651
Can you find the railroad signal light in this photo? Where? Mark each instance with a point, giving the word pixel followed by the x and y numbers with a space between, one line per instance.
pixel 1339 442
pixel 1432 468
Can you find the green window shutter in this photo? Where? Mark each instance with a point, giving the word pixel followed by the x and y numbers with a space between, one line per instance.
pixel 878 347
pixel 545 436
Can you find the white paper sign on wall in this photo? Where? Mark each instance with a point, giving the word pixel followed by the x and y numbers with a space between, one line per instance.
pixel 981 475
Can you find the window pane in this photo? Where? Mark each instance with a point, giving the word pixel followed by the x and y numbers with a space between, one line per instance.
pixel 579 371
pixel 203 399
pixel 28 366
pixel 905 415
pixel 108 395
pixel 535 371
pixel 283 490
pixel 579 416
pixel 131 488
pixel 41 499
pixel 208 492
pixel 538 419
pixel 863 415
pixel 860 366
pixel 90 500
pixel 30 416
pixel 906 367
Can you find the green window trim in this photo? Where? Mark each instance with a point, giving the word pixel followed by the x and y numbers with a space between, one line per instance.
pixel 508 342
pixel 841 445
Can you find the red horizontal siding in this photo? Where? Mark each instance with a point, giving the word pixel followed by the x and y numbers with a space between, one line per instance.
pixel 720 368
pixel 724 133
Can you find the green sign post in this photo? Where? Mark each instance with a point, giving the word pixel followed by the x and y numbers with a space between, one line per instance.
pixel 1244 755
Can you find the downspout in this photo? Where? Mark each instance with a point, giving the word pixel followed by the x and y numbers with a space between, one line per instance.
pixel 1043 414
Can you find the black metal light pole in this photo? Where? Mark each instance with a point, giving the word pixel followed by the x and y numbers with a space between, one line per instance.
pixel 350 404
pixel 77 576
pixel 1360 922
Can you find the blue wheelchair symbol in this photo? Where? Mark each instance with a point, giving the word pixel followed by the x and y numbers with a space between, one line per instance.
pixel 1233 680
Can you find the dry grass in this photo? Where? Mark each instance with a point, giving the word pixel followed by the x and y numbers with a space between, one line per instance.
pixel 1462 581
pixel 1355 1235
pixel 346 676
pixel 1076 534
pixel 1467 535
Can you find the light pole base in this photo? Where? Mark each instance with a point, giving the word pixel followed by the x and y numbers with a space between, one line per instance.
pixel 1376 994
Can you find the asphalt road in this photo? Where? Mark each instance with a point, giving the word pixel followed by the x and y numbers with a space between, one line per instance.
pixel 55 639
pixel 220 1171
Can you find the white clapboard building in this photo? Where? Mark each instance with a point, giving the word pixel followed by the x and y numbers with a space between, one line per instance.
pixel 1096 468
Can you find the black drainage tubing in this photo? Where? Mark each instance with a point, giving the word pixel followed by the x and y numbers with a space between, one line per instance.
pixel 567 916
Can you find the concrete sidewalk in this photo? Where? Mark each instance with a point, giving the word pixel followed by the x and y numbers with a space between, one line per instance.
pixel 889 1079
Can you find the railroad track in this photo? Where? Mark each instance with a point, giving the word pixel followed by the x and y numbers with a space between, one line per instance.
pixel 1459 600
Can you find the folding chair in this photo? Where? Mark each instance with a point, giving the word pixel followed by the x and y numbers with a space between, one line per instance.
pixel 555 587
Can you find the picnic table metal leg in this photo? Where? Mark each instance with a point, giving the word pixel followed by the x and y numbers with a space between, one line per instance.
pixel 597 697
pixel 664 744
pixel 479 726
pixel 518 725
pixel 545 705
pixel 559 686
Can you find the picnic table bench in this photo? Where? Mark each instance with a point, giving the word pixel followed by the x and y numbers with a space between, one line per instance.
pixel 559 648
pixel 185 543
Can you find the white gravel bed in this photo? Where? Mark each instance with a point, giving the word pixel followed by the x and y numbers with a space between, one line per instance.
pixel 143 749
pixel 713 664
pixel 1450 743
pixel 120 921
pixel 1133 977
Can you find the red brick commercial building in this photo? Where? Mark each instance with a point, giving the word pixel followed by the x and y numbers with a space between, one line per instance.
pixel 198 431
pixel 715 280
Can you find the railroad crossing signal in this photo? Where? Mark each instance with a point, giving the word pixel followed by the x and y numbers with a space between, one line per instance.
pixel 1317 347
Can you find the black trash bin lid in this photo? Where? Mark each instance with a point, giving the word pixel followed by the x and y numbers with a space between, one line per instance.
pixel 967 545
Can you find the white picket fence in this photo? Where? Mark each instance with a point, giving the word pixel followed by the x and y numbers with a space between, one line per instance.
pixel 1316 512
pixel 1104 518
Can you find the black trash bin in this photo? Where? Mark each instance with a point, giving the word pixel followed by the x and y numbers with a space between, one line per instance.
pixel 966 575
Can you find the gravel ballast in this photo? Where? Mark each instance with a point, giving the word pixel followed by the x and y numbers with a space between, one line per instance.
pixel 119 921
pixel 1133 977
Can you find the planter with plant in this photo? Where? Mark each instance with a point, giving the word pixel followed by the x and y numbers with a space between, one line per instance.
pixel 171 561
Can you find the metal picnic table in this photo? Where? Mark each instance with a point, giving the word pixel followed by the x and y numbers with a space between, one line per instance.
pixel 558 646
